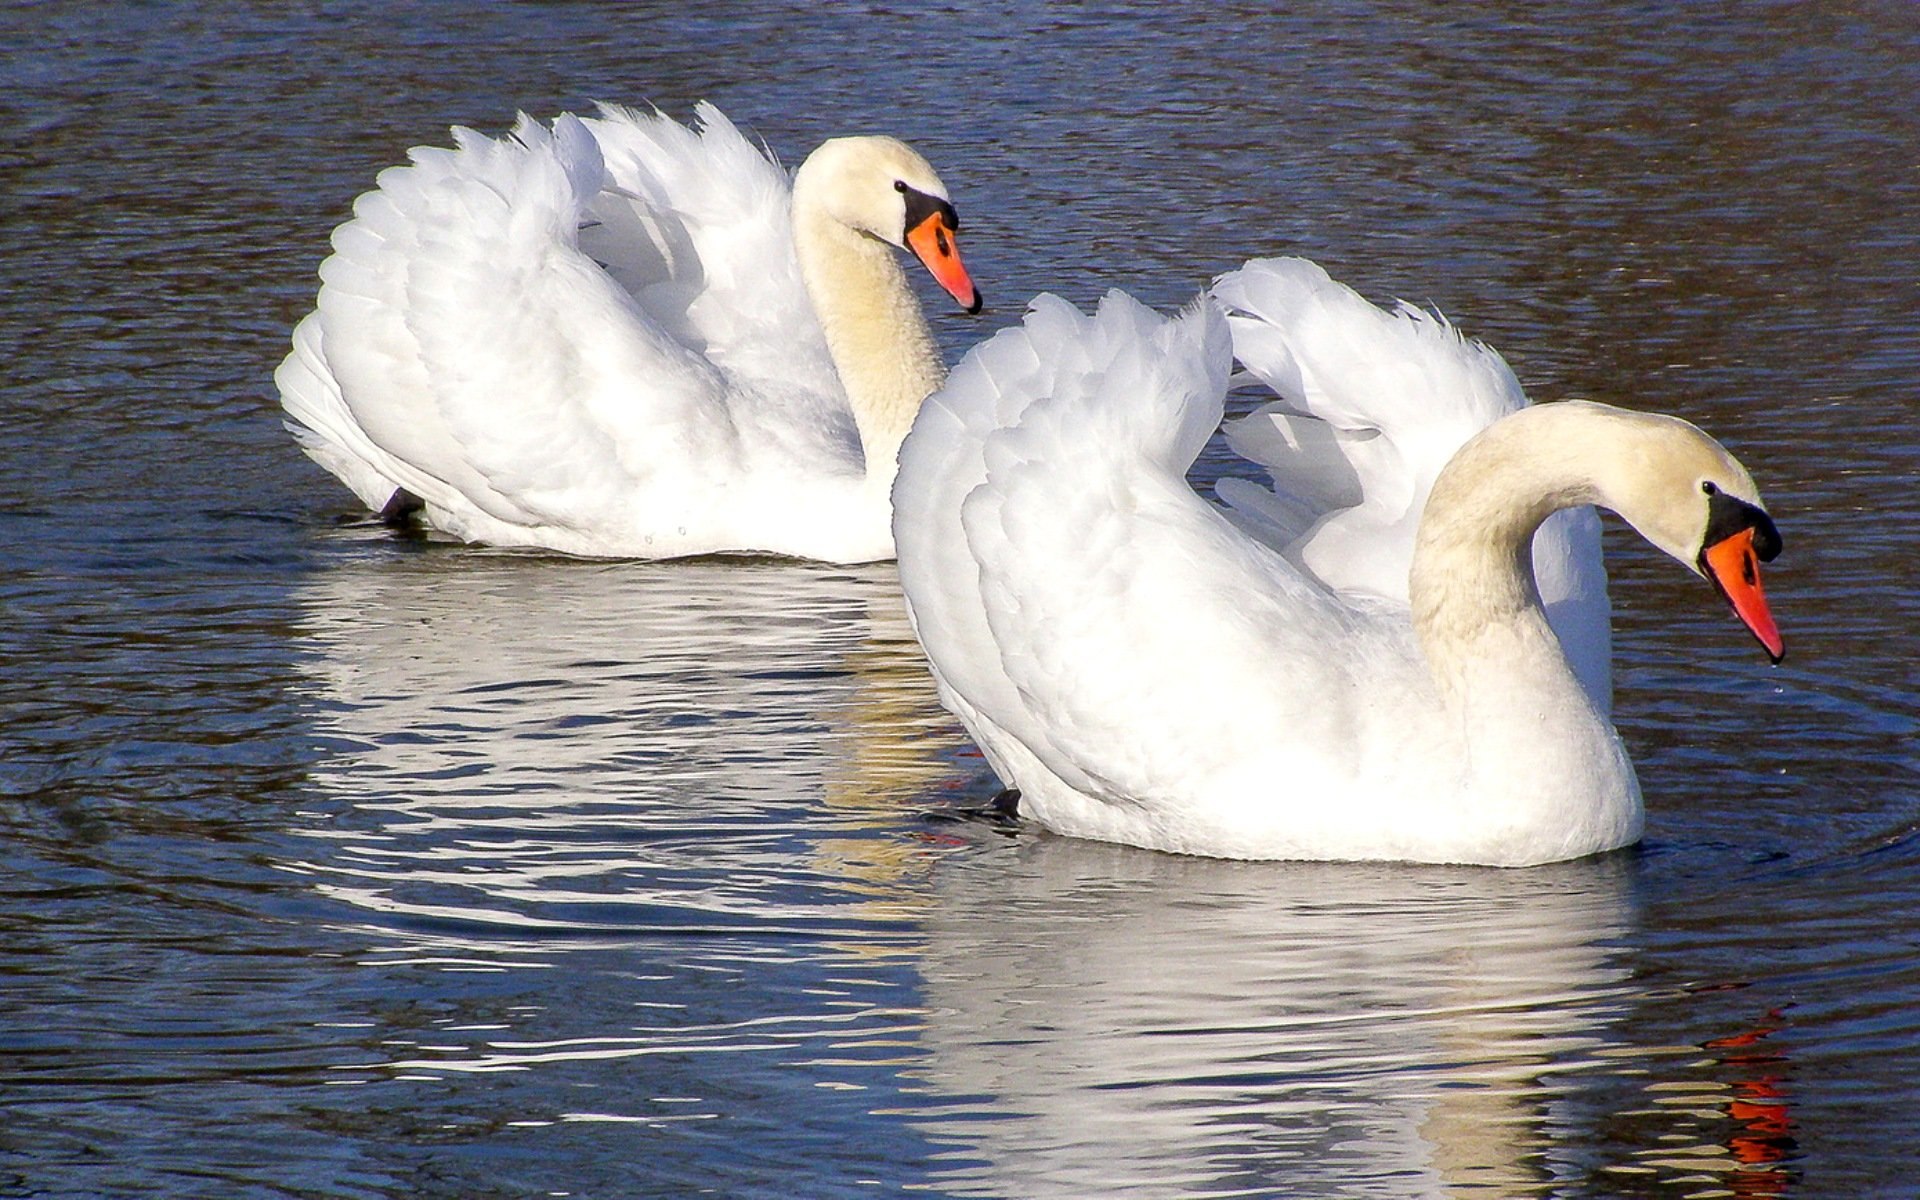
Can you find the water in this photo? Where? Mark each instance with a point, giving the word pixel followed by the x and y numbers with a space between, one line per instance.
pixel 339 867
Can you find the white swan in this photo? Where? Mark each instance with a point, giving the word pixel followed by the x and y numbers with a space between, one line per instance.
pixel 1143 670
pixel 627 337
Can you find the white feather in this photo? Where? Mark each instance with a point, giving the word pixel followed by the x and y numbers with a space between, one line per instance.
pixel 596 338
pixel 1144 670
pixel 1371 405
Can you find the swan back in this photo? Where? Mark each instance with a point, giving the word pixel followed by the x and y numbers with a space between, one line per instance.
pixel 1371 406
pixel 465 348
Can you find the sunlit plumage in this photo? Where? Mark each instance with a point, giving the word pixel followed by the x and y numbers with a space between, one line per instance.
pixel 624 336
pixel 1351 664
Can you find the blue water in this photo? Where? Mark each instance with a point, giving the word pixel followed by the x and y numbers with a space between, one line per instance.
pixel 338 866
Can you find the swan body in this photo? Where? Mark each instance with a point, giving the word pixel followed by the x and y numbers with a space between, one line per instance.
pixel 1149 668
pixel 624 336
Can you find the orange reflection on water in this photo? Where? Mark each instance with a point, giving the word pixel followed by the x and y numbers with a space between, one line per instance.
pixel 1765 1137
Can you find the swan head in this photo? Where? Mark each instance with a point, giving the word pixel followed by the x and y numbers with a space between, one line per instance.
pixel 881 187
pixel 1684 493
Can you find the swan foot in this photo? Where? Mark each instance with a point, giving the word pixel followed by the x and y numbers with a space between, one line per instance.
pixel 1002 813
pixel 400 509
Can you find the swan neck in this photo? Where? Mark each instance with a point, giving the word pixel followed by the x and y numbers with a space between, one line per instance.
pixel 1472 590
pixel 881 344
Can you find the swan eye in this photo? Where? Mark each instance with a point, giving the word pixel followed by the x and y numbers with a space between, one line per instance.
pixel 898 186
pixel 1706 485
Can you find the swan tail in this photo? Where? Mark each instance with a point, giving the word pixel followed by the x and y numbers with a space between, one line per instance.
pixel 323 425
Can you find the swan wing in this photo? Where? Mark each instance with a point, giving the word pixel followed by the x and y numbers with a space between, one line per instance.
pixel 942 460
pixel 1084 611
pixel 1370 406
pixel 696 224
pixel 464 347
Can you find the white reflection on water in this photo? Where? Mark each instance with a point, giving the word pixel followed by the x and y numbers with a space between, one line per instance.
pixel 532 744
pixel 1149 1024
pixel 544 761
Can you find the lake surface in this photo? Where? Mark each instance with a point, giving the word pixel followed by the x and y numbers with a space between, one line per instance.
pixel 338 866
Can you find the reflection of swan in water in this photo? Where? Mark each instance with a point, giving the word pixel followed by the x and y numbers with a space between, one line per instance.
pixel 1141 1024
pixel 542 761
pixel 593 745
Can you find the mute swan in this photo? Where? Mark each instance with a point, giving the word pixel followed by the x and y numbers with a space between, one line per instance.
pixel 629 337
pixel 1143 670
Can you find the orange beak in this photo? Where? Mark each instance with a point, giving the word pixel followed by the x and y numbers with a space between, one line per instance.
pixel 933 242
pixel 1734 567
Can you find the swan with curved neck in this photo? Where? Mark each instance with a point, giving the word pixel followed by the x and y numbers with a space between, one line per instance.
pixel 1675 485
pixel 624 336
pixel 855 199
pixel 1143 669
